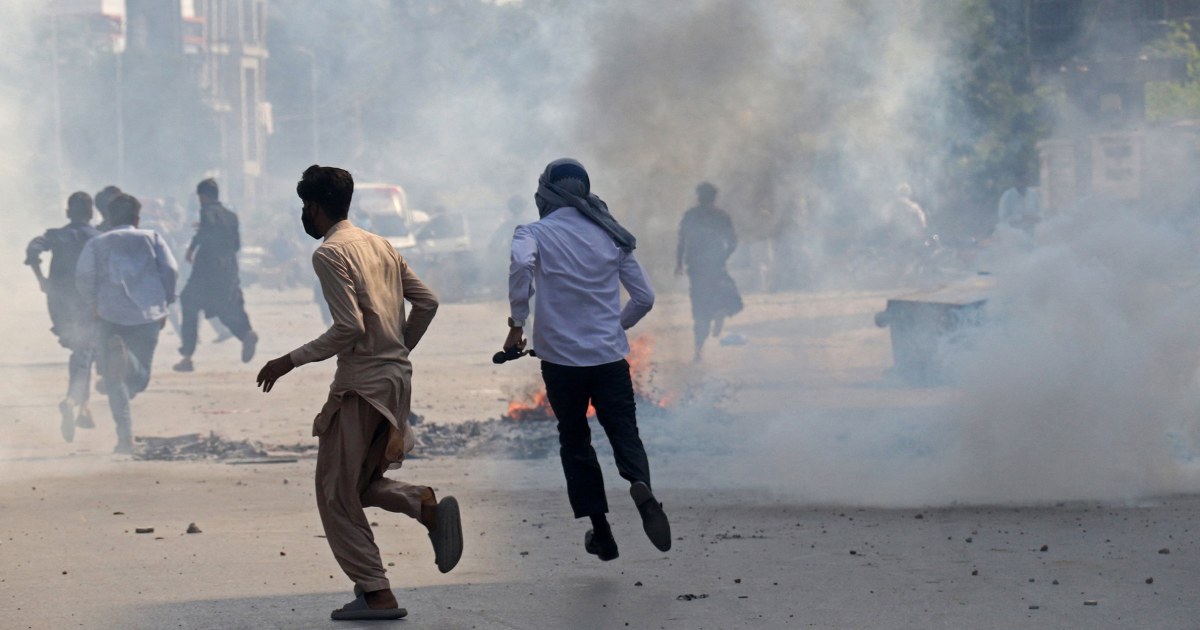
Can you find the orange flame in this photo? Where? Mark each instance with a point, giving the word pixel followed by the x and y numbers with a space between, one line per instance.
pixel 536 406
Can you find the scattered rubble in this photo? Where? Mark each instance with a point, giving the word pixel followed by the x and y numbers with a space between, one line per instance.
pixel 192 529
pixel 687 597
pixel 143 530
pixel 665 428
pixel 194 446
pixel 526 439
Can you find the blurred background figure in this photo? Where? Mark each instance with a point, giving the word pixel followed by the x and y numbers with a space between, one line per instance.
pixel 1020 208
pixel 103 198
pixel 126 277
pixel 213 286
pixel 496 262
pixel 706 240
pixel 69 317
pixel 907 223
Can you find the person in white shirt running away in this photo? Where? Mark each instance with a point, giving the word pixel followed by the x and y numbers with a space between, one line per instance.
pixel 578 257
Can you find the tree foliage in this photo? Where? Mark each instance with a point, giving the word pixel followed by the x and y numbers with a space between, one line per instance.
pixel 1166 100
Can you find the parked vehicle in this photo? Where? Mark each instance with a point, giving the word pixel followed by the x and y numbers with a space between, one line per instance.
pixel 437 245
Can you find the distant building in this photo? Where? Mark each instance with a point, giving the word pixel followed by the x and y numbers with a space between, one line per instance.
pixel 172 90
pixel 1092 52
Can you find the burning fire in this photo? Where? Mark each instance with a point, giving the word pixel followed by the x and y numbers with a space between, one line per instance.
pixel 535 405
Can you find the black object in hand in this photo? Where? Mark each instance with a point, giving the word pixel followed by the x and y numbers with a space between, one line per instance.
pixel 509 354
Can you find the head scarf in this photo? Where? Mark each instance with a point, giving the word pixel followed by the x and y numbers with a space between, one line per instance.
pixel 564 184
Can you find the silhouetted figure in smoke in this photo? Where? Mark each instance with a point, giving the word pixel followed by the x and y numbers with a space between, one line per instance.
pixel 103 198
pixel 126 277
pixel 907 225
pixel 363 427
pixel 1020 208
pixel 213 288
pixel 706 240
pixel 498 245
pixel 578 257
pixel 69 316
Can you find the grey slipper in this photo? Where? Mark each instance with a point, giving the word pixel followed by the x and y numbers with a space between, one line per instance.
pixel 358 610
pixel 447 537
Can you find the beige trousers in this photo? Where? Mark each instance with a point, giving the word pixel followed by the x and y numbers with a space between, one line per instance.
pixel 350 465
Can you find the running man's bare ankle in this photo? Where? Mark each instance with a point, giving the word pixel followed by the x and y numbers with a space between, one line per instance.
pixel 428 509
pixel 383 598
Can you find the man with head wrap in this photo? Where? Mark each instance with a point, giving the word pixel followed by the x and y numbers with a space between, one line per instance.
pixel 706 240
pixel 578 257
pixel 70 320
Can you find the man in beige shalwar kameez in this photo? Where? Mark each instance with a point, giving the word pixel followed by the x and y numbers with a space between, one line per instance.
pixel 363 427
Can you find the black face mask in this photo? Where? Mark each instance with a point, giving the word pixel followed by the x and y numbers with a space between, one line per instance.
pixel 310 226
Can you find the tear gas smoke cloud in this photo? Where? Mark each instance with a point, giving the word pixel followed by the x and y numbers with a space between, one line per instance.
pixel 26 196
pixel 813 108
pixel 1082 387
pixel 1076 390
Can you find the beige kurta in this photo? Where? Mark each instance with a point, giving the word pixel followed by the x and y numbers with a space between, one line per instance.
pixel 365 283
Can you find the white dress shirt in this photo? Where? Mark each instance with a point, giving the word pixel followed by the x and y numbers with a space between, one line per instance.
pixel 127 276
pixel 578 272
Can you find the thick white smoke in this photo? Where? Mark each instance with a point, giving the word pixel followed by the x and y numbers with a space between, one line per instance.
pixel 1082 385
pixel 28 178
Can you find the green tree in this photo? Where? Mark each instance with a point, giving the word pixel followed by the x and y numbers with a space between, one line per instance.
pixel 994 99
pixel 1168 100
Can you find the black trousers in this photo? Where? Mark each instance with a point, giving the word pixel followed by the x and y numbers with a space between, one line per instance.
pixel 231 312
pixel 609 389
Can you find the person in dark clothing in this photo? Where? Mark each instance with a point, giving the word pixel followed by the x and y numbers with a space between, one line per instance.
pixel 213 286
pixel 706 240
pixel 498 245
pixel 103 198
pixel 69 318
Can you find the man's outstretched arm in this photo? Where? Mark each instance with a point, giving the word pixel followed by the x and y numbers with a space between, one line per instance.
pixel 338 288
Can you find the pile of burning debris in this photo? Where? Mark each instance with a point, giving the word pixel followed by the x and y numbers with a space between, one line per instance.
pixel 534 405
pixel 526 431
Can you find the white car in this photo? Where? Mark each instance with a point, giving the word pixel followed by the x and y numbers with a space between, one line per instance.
pixel 383 209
